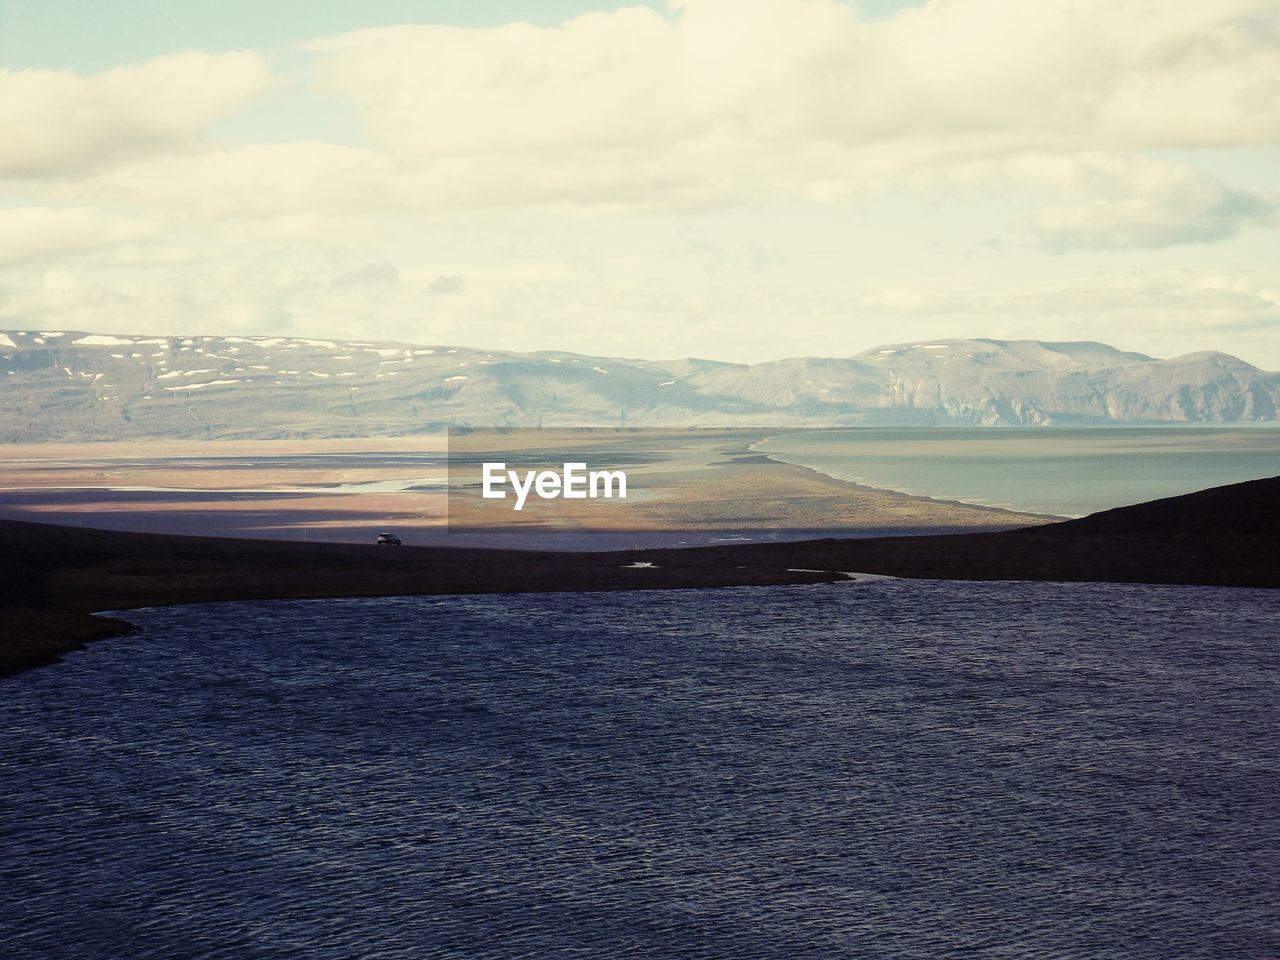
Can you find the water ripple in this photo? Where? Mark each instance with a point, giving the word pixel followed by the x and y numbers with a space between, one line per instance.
pixel 879 770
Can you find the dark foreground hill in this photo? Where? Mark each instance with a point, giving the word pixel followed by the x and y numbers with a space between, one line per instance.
pixel 52 578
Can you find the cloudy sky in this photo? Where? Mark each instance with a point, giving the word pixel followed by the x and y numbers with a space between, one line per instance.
pixel 738 179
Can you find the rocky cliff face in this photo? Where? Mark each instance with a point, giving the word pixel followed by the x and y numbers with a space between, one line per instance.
pixel 64 385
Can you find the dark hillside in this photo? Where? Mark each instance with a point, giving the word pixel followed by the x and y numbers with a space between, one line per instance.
pixel 53 577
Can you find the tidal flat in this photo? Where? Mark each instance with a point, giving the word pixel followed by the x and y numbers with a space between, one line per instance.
pixel 688 487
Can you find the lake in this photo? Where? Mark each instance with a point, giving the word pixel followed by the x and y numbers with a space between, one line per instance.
pixel 1065 472
pixel 893 769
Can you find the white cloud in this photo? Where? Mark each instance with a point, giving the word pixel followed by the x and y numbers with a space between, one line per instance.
pixel 66 123
pixel 544 166
pixel 369 275
pixel 32 233
pixel 1162 312
pixel 1137 291
pixel 1110 201
pixel 735 99
pixel 724 102
pixel 258 180
pixel 446 285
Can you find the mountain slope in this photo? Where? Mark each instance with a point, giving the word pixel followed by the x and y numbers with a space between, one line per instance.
pixel 65 385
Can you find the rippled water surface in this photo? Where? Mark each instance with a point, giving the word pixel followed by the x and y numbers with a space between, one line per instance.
pixel 873 770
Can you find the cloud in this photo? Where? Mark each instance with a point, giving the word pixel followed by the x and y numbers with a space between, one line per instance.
pixel 61 123
pixel 33 233
pixel 541 166
pixel 658 308
pixel 219 299
pixel 1179 299
pixel 370 275
pixel 1108 201
pixel 1200 299
pixel 253 181
pixel 726 100
pixel 444 285
pixel 719 103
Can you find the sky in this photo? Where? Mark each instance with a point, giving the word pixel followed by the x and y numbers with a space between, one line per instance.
pixel 736 179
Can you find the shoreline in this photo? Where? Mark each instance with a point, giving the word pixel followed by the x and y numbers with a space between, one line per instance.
pixel 53 578
pixel 923 498
pixel 1013 511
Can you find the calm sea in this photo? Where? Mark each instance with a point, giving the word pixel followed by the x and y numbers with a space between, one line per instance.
pixel 875 770
pixel 1066 472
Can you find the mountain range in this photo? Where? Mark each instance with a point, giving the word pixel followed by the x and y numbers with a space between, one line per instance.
pixel 74 385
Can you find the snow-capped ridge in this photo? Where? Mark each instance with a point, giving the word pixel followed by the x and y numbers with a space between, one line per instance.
pixel 54 387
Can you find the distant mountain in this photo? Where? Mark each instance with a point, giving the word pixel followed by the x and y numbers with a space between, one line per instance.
pixel 65 385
